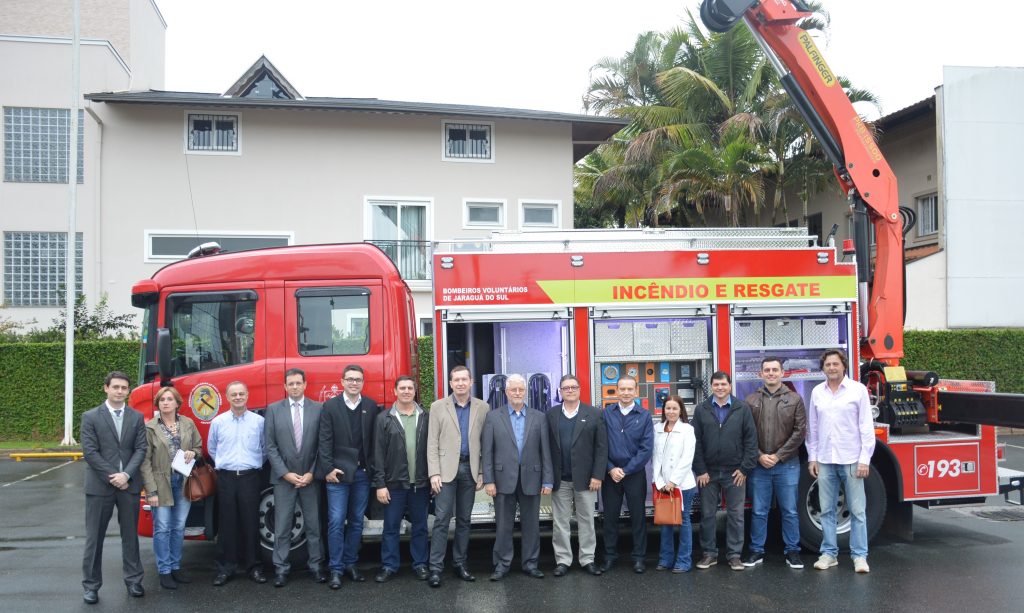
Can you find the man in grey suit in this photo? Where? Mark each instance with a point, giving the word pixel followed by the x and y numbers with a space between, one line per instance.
pixel 455 426
pixel 114 446
pixel 291 435
pixel 579 456
pixel 517 470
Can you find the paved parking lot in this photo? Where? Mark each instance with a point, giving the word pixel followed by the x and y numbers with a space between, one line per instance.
pixel 967 558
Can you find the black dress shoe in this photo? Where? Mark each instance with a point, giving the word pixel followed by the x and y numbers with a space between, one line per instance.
pixel 463 573
pixel 434 579
pixel 639 567
pixel 280 579
pixel 221 579
pixel 498 575
pixel 320 576
pixel 167 582
pixel 385 575
pixel 592 569
pixel 354 574
pixel 560 570
pixel 536 573
pixel 135 590
pixel 180 577
pixel 607 566
pixel 421 572
pixel 335 583
pixel 90 597
pixel 257 575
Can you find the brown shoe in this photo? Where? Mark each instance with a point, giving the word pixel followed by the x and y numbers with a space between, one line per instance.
pixel 707 561
pixel 735 563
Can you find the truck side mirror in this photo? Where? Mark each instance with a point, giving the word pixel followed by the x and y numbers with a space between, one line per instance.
pixel 163 355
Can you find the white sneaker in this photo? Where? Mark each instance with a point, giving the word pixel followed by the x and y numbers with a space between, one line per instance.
pixel 860 565
pixel 826 561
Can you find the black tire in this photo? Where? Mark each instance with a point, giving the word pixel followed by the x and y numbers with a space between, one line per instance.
pixel 267 521
pixel 809 510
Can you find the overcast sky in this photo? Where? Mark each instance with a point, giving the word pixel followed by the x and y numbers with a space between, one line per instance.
pixel 537 54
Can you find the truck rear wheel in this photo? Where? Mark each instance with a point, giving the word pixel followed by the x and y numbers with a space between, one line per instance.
pixel 810 510
pixel 268 520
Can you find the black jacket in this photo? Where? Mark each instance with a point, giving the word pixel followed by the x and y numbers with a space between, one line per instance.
pixel 589 446
pixel 390 459
pixel 727 447
pixel 336 450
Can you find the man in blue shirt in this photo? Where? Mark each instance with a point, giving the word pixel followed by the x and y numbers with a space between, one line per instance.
pixel 235 443
pixel 517 471
pixel 630 445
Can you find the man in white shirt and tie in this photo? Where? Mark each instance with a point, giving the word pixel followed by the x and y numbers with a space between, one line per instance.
pixel 291 434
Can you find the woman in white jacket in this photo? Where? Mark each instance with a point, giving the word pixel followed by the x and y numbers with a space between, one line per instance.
pixel 674 443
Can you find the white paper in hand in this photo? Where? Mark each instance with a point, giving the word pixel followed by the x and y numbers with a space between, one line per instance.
pixel 179 464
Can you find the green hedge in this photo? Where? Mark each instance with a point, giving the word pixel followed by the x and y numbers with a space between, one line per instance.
pixel 32 384
pixel 986 355
pixel 426 349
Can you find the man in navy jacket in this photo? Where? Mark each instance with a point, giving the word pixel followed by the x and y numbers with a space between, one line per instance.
pixel 630 445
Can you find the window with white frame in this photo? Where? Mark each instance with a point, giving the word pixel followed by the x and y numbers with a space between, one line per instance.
pixel 468 141
pixel 927 214
pixel 399 228
pixel 211 133
pixel 37 146
pixel 172 246
pixel 34 268
pixel 484 213
pixel 540 214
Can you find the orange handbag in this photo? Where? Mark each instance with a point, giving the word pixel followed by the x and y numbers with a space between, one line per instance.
pixel 668 508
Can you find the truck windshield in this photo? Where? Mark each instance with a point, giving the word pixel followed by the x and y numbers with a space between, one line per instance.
pixel 144 353
pixel 211 331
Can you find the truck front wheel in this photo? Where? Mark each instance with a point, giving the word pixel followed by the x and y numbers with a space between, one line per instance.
pixel 810 510
pixel 267 522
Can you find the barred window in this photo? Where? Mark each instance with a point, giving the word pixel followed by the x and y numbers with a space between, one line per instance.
pixel 468 141
pixel 928 214
pixel 36 145
pixel 212 133
pixel 34 268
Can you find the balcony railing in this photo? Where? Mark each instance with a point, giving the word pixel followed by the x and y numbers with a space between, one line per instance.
pixel 411 257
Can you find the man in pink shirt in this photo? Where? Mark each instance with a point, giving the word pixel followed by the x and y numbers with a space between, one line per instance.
pixel 840 442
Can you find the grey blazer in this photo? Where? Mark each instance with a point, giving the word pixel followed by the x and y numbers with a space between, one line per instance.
pixel 279 441
pixel 444 438
pixel 502 465
pixel 106 455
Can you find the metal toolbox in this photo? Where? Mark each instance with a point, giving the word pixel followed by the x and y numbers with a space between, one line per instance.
pixel 782 332
pixel 748 333
pixel 613 338
pixel 651 338
pixel 821 332
pixel 689 336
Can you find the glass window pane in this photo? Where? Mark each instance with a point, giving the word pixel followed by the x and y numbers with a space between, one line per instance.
pixel 209 335
pixel 334 325
pixel 179 246
pixel 538 215
pixel 484 214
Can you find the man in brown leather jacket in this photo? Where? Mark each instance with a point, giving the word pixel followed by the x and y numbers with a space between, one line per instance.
pixel 781 421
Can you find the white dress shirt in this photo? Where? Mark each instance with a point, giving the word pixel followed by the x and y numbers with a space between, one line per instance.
pixel 840 429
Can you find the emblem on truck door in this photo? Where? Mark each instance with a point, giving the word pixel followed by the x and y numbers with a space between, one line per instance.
pixel 205 401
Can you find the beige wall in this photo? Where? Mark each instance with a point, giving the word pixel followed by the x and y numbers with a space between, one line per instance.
pixel 42 207
pixel 147 35
pixel 308 173
pixel 926 293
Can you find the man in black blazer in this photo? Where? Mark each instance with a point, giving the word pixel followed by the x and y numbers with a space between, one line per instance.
pixel 517 470
pixel 579 454
pixel 291 435
pixel 346 453
pixel 114 446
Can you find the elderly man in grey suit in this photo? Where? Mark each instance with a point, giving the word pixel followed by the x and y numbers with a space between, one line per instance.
pixel 455 425
pixel 291 435
pixel 517 470
pixel 114 446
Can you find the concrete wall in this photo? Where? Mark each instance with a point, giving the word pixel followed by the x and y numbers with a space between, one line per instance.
pixel 148 32
pixel 926 293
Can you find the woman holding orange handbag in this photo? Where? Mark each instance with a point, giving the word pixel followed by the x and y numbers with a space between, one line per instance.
pixel 166 433
pixel 674 443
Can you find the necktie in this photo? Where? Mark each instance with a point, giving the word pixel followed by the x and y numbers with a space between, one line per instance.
pixel 297 425
pixel 118 421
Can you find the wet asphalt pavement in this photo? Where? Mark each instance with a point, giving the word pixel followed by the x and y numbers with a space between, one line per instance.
pixel 959 559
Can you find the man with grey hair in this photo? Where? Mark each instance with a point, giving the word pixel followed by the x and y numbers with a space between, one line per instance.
pixel 517 470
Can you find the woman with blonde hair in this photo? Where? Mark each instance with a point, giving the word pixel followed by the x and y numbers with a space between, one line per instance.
pixel 166 433
pixel 674 444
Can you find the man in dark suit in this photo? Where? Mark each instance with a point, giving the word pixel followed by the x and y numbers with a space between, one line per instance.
pixel 291 437
pixel 346 450
pixel 114 446
pixel 517 470
pixel 579 454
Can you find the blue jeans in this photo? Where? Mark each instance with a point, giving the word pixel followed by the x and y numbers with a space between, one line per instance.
pixel 669 557
pixel 346 501
pixel 413 501
pixel 783 479
pixel 829 476
pixel 169 527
